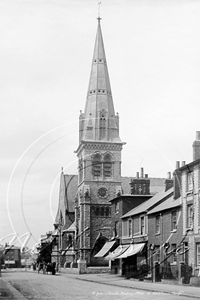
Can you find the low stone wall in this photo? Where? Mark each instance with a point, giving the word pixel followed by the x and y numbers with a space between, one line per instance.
pixel 97 270
pixel 69 270
pixel 88 270
pixel 172 281
pixel 195 281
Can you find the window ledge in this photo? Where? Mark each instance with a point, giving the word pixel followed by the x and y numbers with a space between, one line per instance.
pixel 158 233
pixel 138 236
pixel 189 228
pixel 173 264
pixel 189 192
pixel 174 230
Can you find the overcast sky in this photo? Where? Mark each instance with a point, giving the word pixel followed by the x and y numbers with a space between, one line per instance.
pixel 46 48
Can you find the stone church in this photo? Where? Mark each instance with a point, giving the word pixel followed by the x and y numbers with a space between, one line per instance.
pixel 99 156
pixel 84 210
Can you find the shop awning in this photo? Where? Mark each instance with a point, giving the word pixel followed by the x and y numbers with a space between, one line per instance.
pixel 107 246
pixel 118 251
pixel 132 250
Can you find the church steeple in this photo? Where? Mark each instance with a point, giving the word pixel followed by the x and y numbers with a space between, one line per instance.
pixel 99 157
pixel 99 122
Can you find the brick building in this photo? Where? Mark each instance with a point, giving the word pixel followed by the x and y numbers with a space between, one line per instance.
pixel 136 231
pixel 190 196
pixel 165 236
pixel 12 257
pixel 123 203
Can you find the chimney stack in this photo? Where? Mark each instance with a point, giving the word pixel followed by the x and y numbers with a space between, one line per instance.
pixel 142 173
pixel 183 163
pixel 141 184
pixel 168 182
pixel 177 183
pixel 196 146
pixel 177 164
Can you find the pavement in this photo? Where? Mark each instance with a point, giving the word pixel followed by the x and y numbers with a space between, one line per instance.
pixel 9 292
pixel 156 287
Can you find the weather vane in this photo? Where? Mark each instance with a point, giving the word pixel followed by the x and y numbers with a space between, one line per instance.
pixel 99 3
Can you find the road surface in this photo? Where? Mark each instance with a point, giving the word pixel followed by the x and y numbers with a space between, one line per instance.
pixel 69 287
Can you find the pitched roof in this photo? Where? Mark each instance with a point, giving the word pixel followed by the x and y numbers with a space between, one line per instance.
pixel 72 227
pixel 167 204
pixel 194 162
pixel 71 184
pixel 145 206
pixel 68 189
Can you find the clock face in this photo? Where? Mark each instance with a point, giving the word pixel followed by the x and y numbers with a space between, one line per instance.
pixel 102 192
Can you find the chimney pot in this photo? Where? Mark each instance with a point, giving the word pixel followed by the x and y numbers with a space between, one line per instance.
pixel 169 175
pixel 183 163
pixel 197 135
pixel 146 175
pixel 196 146
pixel 142 172
pixel 177 164
pixel 137 175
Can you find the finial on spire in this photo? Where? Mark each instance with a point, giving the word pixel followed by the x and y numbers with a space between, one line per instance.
pixel 99 18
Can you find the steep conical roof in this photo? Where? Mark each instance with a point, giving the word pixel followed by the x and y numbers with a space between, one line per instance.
pixel 99 122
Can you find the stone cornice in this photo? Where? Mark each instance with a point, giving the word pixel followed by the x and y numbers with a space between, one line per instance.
pixel 96 145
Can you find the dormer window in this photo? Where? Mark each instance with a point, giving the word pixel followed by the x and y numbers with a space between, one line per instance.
pixel 102 124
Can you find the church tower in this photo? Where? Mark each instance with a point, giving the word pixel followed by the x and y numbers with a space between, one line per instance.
pixel 99 157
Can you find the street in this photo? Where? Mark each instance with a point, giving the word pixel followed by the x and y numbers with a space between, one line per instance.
pixel 67 286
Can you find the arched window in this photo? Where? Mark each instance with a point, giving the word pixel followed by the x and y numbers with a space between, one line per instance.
pixel 96 165
pixel 107 166
pixel 69 239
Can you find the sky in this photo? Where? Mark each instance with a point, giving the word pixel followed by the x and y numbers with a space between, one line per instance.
pixel 46 48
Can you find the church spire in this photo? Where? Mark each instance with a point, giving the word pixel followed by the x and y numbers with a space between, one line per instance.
pixel 99 122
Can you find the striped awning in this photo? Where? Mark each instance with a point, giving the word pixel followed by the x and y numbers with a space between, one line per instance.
pixel 132 250
pixel 104 250
pixel 118 251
